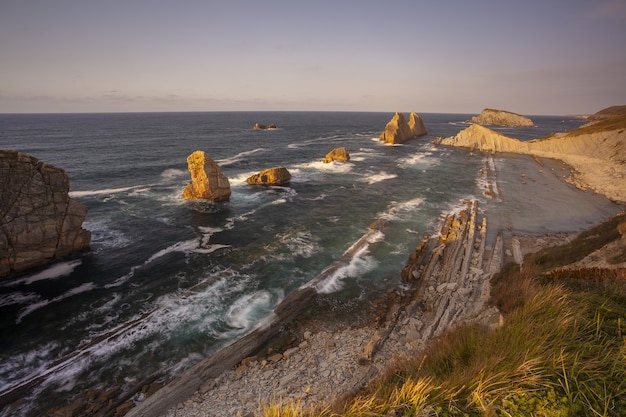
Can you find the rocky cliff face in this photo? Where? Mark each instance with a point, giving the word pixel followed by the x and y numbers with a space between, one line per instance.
pixel 337 154
pixel 39 222
pixel 598 156
pixel 271 176
pixel 398 130
pixel 501 118
pixel 207 180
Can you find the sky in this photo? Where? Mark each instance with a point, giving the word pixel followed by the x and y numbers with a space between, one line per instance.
pixel 448 56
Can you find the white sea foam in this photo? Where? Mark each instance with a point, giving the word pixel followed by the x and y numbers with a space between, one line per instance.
pixel 172 173
pixel 397 211
pixel 417 158
pixel 89 193
pixel 238 157
pixel 247 309
pixel 42 303
pixel 17 298
pixel 55 271
pixel 378 177
pixel 334 166
pixel 103 236
pixel 360 263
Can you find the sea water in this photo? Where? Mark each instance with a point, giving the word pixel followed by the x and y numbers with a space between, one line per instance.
pixel 167 282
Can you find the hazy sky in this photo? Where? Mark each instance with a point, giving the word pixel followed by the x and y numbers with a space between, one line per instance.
pixel 530 57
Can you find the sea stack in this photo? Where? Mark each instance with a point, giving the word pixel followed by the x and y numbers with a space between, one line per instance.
pixel 270 176
pixel 39 222
pixel 207 180
pixel 398 130
pixel 501 118
pixel 337 154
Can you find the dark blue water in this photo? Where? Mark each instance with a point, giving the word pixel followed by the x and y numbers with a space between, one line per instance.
pixel 168 281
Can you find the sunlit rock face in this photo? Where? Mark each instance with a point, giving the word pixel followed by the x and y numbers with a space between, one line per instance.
pixel 501 118
pixel 207 180
pixel 398 130
pixel 270 176
pixel 337 154
pixel 39 222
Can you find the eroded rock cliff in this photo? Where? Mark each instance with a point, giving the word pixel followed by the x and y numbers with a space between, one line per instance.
pixel 597 154
pixel 270 176
pixel 39 222
pixel 207 180
pixel 501 118
pixel 337 154
pixel 398 130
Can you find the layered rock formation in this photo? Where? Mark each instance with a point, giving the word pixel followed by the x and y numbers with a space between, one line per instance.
pixel 271 176
pixel 398 130
pixel 207 180
pixel 337 154
pixel 501 118
pixel 597 154
pixel 39 222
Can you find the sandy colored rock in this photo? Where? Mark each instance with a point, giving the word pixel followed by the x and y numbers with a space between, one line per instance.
pixel 207 180
pixel 398 130
pixel 337 154
pixel 501 118
pixel 598 157
pixel 270 176
pixel 39 222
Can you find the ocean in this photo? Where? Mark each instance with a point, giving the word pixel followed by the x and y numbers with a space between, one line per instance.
pixel 167 282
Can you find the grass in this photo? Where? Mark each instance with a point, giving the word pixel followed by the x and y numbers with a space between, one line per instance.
pixel 561 351
pixel 617 122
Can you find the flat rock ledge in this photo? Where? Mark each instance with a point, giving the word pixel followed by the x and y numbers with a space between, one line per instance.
pixel 449 283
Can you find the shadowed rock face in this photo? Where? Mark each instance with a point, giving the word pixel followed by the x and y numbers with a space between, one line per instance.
pixel 501 118
pixel 399 131
pixel 271 176
pixel 337 154
pixel 39 222
pixel 207 180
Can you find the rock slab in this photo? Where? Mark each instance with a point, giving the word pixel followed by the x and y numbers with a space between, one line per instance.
pixel 207 180
pixel 39 222
pixel 398 130
pixel 270 176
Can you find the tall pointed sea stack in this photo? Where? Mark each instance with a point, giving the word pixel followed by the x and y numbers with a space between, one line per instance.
pixel 207 180
pixel 399 131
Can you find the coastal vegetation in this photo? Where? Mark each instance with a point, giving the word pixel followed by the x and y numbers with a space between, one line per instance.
pixel 560 352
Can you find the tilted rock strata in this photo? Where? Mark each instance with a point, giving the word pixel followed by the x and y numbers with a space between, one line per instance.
pixel 270 176
pixel 599 158
pixel 207 180
pixel 501 118
pixel 337 154
pixel 398 130
pixel 39 222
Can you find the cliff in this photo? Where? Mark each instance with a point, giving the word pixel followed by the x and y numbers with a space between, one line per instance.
pixel 501 118
pixel 596 151
pixel 39 222
pixel 207 180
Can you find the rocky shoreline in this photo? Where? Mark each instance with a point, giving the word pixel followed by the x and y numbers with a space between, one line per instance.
pixel 324 363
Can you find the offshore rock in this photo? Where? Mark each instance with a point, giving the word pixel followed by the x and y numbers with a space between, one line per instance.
pixel 501 118
pixel 337 154
pixel 207 180
pixel 271 176
pixel 398 130
pixel 39 222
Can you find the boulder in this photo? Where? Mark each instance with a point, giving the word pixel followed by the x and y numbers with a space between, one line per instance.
pixel 501 118
pixel 207 180
pixel 258 126
pixel 337 154
pixel 271 176
pixel 39 222
pixel 398 130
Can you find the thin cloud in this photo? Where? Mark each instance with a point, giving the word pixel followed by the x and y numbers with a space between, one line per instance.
pixel 614 9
